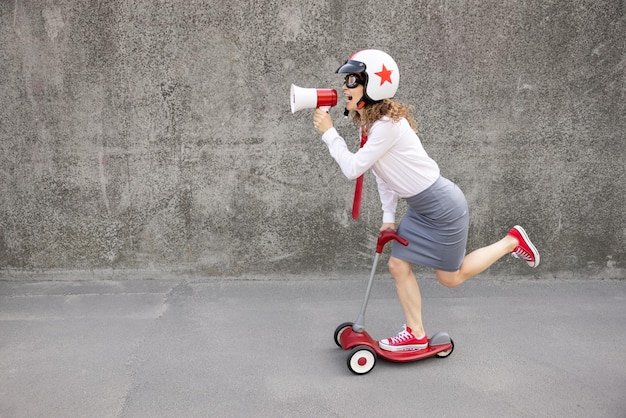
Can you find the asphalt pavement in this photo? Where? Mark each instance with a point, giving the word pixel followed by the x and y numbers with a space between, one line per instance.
pixel 263 347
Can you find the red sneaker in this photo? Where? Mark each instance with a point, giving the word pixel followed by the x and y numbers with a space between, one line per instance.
pixel 525 249
pixel 404 341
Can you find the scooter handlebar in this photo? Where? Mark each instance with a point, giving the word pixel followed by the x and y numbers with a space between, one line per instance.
pixel 387 235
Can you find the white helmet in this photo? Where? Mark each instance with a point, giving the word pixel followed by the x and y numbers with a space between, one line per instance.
pixel 382 75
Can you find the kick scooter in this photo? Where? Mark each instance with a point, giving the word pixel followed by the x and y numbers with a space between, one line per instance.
pixel 364 349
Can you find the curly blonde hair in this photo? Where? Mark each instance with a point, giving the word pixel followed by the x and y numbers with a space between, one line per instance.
pixel 386 107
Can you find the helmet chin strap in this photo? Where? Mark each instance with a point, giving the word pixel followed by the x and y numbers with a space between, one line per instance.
pixel 359 105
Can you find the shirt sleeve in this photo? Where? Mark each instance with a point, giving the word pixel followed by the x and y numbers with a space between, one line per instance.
pixel 389 200
pixel 354 164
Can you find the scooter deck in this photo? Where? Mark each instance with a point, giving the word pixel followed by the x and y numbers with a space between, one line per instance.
pixel 350 339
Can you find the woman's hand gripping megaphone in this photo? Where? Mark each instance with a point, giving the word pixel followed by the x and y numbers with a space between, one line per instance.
pixel 322 120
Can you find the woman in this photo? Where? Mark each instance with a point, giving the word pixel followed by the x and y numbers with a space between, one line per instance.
pixel 437 220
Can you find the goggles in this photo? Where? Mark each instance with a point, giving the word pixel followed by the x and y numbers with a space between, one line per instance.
pixel 353 80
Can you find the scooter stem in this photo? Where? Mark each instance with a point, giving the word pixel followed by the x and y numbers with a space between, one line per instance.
pixel 383 238
pixel 359 324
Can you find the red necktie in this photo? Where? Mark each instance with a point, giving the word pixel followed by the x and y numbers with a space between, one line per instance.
pixel 358 190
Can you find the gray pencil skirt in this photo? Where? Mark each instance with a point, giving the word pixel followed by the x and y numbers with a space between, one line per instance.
pixel 436 225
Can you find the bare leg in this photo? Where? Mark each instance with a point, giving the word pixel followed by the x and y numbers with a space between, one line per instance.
pixel 477 261
pixel 408 294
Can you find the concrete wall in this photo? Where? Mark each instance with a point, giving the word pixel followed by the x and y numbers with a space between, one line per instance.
pixel 156 136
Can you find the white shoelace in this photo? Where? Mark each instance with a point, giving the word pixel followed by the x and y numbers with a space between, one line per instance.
pixel 521 253
pixel 402 336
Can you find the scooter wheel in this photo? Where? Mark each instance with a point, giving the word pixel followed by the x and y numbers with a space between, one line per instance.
pixel 341 328
pixel 446 353
pixel 361 359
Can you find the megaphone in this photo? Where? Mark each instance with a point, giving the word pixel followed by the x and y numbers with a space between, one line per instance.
pixel 303 98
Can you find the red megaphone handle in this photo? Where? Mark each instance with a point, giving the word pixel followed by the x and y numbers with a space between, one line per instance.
pixel 387 235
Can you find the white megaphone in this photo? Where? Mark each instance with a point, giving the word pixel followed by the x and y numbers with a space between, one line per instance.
pixel 302 98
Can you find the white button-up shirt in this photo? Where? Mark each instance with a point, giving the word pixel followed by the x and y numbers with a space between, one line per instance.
pixel 396 155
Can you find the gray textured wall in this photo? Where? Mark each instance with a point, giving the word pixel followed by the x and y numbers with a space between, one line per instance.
pixel 157 136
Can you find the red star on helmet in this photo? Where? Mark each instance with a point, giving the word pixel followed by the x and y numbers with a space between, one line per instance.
pixel 385 75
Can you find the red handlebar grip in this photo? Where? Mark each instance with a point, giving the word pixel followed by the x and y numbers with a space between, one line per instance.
pixel 387 235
